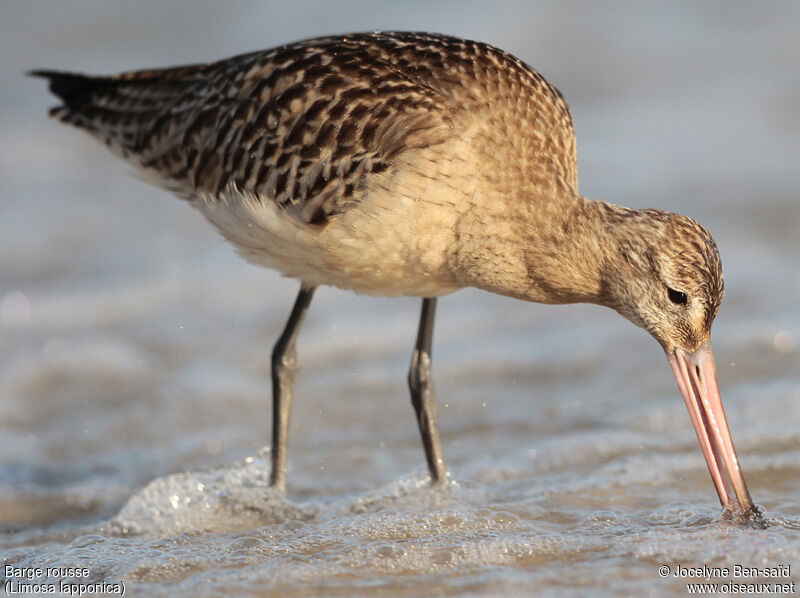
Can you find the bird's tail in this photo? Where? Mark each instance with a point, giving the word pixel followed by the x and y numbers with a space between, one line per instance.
pixel 73 89
pixel 89 103
pixel 121 110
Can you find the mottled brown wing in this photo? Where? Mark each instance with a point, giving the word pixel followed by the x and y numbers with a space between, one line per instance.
pixel 302 125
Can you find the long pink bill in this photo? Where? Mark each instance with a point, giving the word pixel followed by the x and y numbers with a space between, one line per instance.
pixel 697 380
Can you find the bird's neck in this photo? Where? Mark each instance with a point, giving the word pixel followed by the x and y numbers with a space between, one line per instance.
pixel 547 251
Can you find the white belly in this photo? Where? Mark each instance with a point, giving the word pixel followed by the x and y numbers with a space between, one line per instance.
pixel 384 245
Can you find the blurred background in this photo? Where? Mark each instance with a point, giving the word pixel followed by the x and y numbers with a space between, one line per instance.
pixel 134 343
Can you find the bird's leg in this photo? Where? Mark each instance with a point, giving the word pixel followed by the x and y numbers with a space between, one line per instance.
pixel 422 398
pixel 284 368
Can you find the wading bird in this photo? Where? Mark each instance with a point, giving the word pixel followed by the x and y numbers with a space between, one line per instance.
pixel 412 164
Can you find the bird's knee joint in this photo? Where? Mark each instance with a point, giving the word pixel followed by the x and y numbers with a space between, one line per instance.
pixel 285 362
pixel 419 375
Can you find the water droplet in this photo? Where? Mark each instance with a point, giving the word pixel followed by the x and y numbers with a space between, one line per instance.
pixel 783 341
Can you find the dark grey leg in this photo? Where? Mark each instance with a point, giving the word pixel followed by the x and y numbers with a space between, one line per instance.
pixel 420 383
pixel 284 368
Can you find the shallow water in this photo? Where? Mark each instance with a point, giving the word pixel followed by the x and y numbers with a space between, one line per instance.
pixel 134 344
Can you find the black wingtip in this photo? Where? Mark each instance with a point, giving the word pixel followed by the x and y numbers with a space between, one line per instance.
pixel 72 88
pixel 39 73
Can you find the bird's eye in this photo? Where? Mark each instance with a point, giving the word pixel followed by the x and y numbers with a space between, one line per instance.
pixel 677 297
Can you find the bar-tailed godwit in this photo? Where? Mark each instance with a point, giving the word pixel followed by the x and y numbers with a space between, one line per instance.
pixel 412 164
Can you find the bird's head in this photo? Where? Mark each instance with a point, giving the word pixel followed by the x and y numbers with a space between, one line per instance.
pixel 666 277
